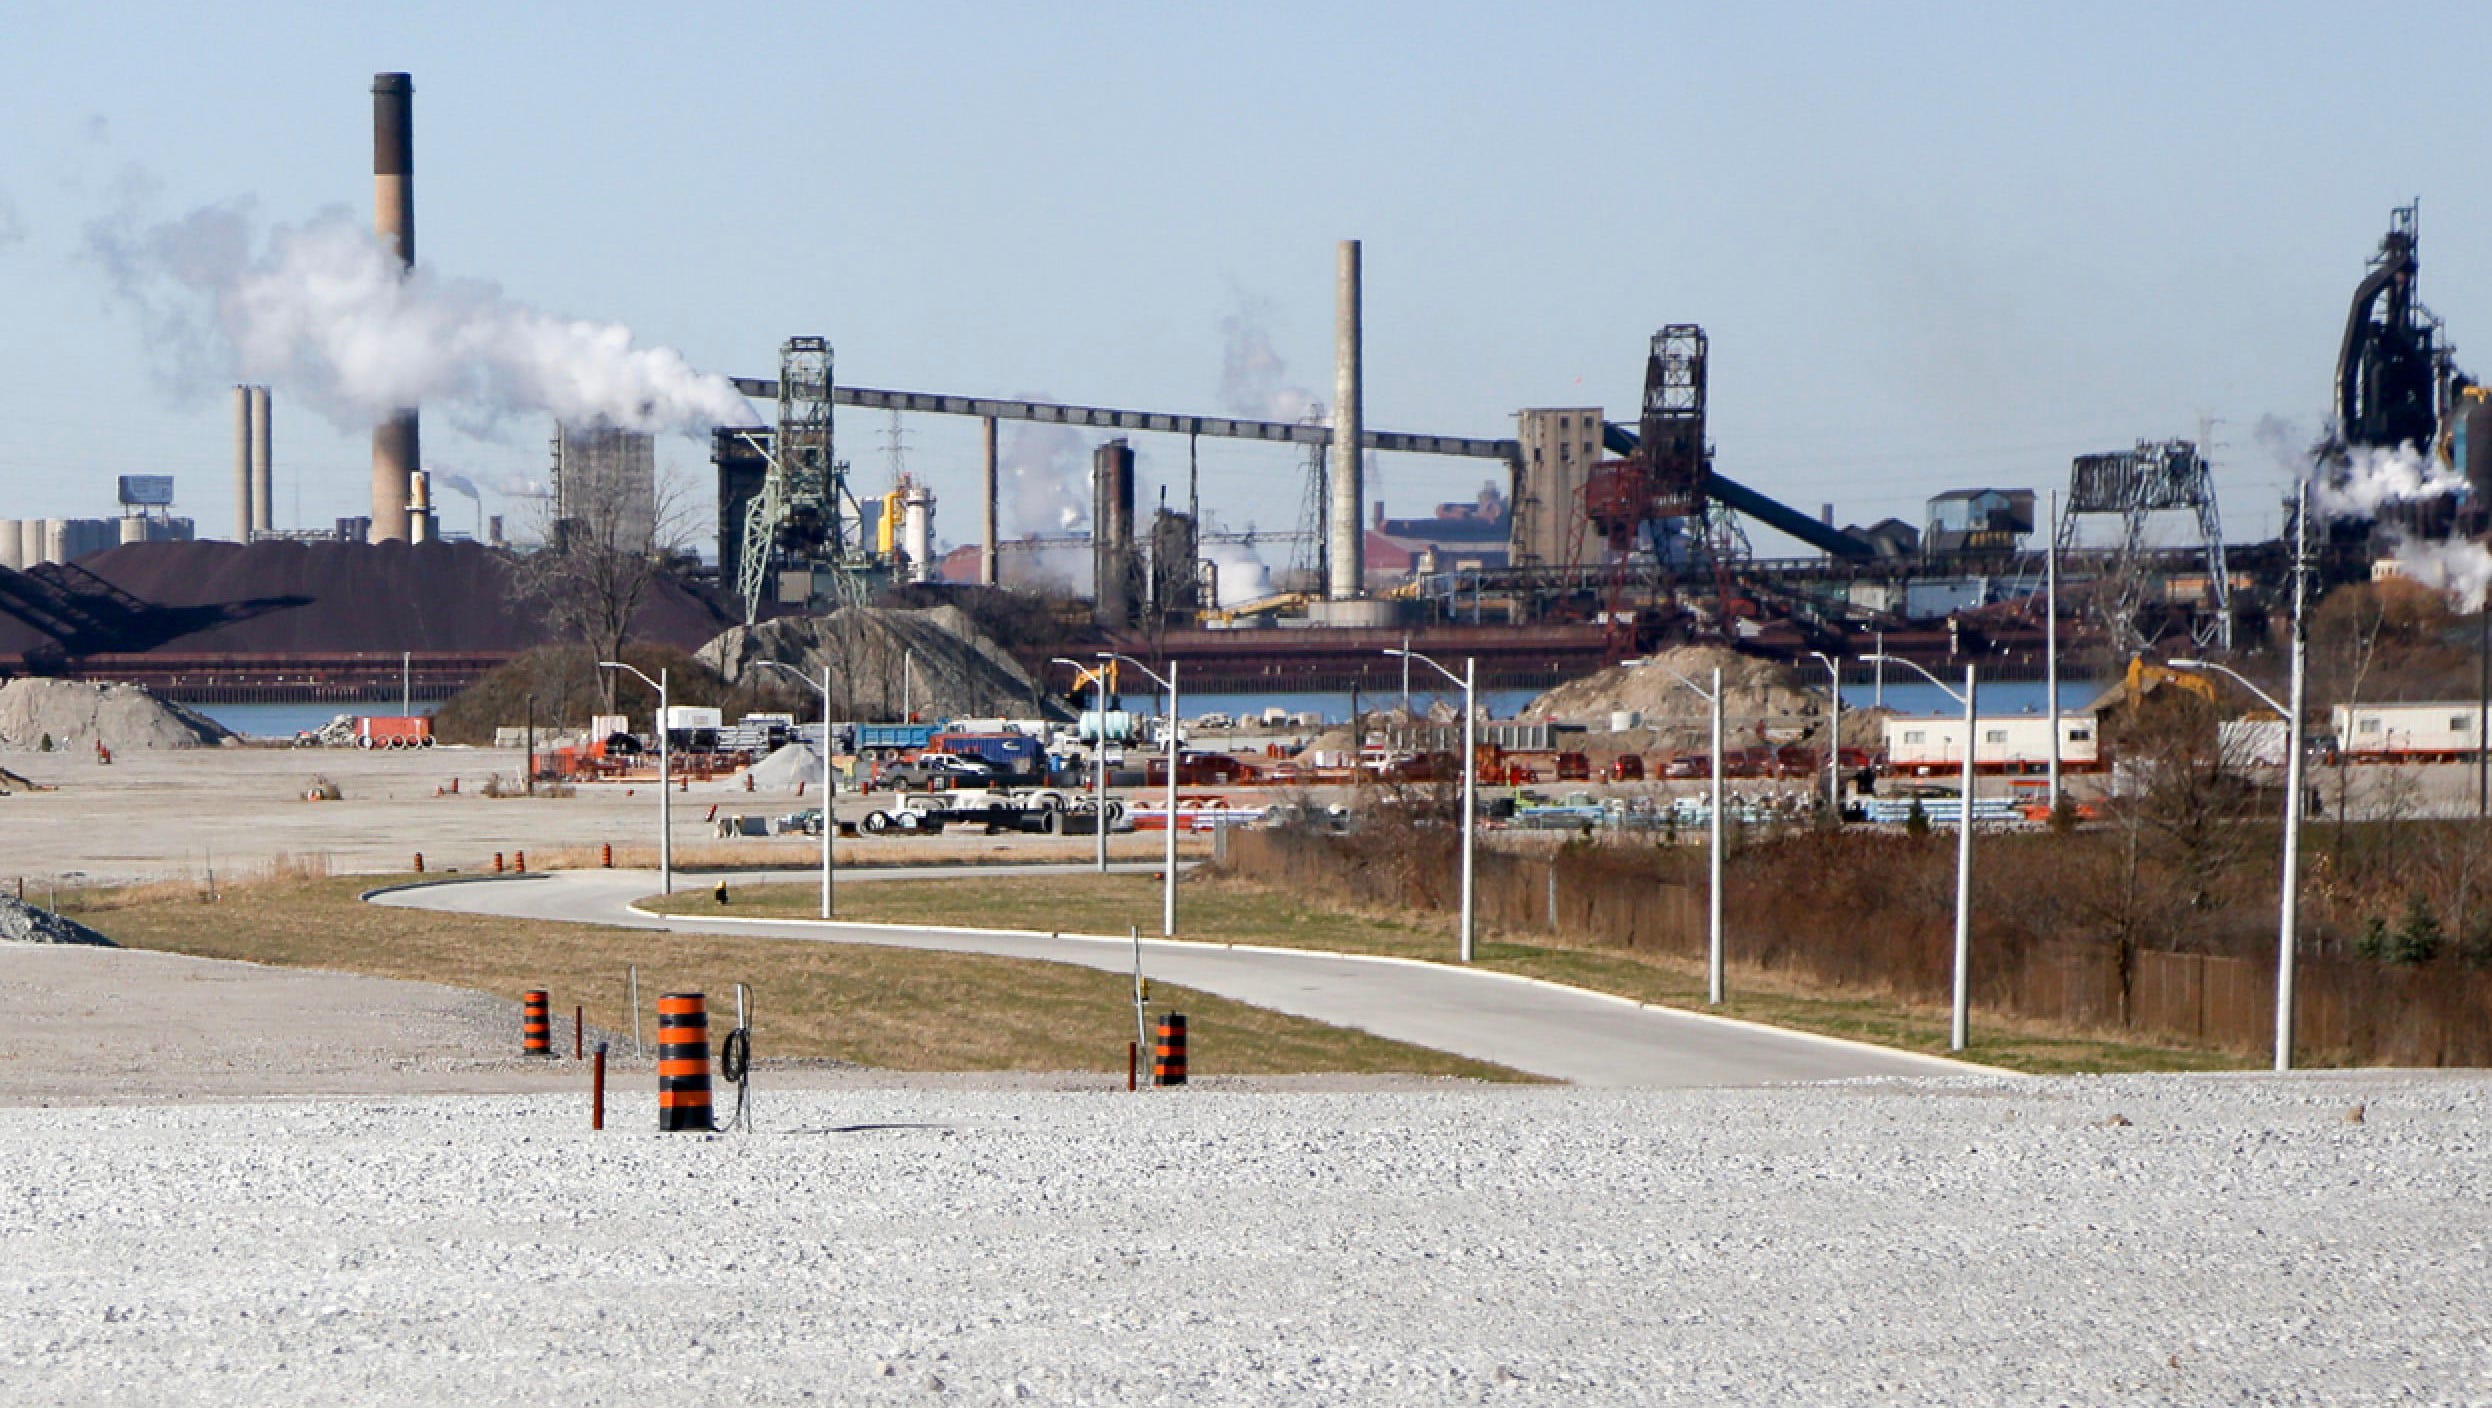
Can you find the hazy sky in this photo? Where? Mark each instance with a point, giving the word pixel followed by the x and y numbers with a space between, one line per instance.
pixel 1934 246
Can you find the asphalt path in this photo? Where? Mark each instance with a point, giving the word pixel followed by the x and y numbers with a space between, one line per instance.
pixel 1547 1030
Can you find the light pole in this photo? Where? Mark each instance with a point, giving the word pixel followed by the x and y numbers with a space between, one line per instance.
pixel 1834 738
pixel 1964 842
pixel 1713 887
pixel 2050 643
pixel 666 801
pixel 1168 870
pixel 1468 679
pixel 1098 677
pixel 2289 895
pixel 830 792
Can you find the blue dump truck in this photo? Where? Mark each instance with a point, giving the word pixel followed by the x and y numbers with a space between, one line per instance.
pixel 891 740
pixel 1015 756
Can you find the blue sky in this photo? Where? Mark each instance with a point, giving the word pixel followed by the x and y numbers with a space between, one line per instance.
pixel 1934 247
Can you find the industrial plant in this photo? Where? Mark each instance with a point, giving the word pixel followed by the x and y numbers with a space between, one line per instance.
pixel 1596 537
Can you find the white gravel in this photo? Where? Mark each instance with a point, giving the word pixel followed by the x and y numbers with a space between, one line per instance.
pixel 22 923
pixel 2236 1240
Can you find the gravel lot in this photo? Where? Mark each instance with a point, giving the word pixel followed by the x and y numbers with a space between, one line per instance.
pixel 2226 1239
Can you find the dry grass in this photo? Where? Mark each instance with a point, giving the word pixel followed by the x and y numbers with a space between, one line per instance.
pixel 879 1007
pixel 1233 910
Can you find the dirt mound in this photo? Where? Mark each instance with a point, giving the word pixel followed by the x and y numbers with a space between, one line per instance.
pixel 79 714
pixel 953 670
pixel 1754 691
pixel 22 923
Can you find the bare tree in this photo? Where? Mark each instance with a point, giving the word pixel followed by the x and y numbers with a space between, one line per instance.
pixel 608 539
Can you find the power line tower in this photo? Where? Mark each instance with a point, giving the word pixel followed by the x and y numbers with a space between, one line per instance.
pixel 2132 485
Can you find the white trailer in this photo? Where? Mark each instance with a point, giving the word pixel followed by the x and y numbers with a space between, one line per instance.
pixel 2010 743
pixel 2410 732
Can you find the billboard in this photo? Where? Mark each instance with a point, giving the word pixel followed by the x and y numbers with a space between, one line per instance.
pixel 147 490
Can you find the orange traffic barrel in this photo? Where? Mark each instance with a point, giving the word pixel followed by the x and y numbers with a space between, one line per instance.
pixel 1168 1053
pixel 684 1062
pixel 497 862
pixel 536 1028
pixel 522 866
pixel 419 862
pixel 605 855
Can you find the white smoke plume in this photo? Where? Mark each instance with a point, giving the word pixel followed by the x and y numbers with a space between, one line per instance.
pixel 1242 575
pixel 2372 478
pixel 1046 474
pixel 2460 568
pixel 323 310
pixel 458 484
pixel 1254 380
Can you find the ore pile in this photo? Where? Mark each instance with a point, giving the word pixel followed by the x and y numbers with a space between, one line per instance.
pixel 954 670
pixel 22 923
pixel 444 597
pixel 78 714
pixel 1759 698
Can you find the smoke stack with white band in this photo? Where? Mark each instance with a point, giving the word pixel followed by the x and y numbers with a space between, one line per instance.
pixel 395 447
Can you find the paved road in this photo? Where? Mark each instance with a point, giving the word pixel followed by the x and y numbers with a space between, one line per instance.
pixel 1548 1031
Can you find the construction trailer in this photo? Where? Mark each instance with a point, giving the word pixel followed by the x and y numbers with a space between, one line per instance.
pixel 2010 743
pixel 2410 733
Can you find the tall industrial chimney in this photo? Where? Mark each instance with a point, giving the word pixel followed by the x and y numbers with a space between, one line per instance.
pixel 1345 522
pixel 263 464
pixel 243 516
pixel 395 449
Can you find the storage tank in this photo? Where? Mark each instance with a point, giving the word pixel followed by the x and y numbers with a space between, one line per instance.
pixel 917 532
pixel 2470 442
pixel 12 545
pixel 55 540
pixel 133 530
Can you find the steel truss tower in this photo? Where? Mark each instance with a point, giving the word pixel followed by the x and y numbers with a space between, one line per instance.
pixel 2156 477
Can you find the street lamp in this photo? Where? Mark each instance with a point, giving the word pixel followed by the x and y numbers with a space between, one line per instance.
pixel 1468 679
pixel 1964 839
pixel 1713 888
pixel 1834 738
pixel 830 792
pixel 1168 871
pixel 2288 900
pixel 666 804
pixel 1098 676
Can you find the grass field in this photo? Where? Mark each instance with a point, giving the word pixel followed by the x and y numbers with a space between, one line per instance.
pixel 1233 911
pixel 880 1007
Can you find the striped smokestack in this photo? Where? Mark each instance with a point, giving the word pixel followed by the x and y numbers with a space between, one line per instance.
pixel 395 449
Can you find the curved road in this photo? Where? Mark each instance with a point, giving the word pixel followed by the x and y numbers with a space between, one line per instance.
pixel 1561 1033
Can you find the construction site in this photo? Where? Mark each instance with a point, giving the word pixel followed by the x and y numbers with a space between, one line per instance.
pixel 1601 537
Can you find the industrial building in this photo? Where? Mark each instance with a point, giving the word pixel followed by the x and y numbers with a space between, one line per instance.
pixel 605 487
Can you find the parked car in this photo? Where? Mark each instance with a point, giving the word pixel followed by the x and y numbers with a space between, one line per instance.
pixel 936 772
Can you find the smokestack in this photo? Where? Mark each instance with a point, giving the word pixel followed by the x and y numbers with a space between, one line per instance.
pixel 243 517
pixel 987 565
pixel 1346 521
pixel 263 464
pixel 1112 535
pixel 420 524
pixel 395 448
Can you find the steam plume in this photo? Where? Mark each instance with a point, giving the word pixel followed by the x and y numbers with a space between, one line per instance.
pixel 2459 567
pixel 2373 478
pixel 324 310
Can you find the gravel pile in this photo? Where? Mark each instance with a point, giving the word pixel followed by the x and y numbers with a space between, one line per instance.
pixel 2226 1239
pixel 954 670
pixel 790 764
pixel 78 714
pixel 23 923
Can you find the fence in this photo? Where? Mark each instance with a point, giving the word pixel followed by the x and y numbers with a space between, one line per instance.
pixel 1873 925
